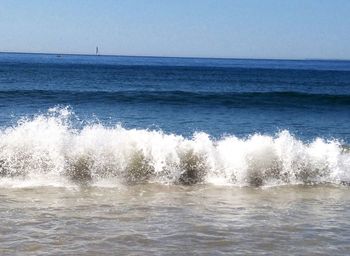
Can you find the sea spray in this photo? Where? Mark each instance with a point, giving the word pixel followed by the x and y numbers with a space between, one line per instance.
pixel 49 150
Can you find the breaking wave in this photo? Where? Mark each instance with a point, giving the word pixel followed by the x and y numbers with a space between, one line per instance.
pixel 48 151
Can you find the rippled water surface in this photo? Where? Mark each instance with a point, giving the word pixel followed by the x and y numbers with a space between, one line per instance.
pixel 112 155
pixel 167 220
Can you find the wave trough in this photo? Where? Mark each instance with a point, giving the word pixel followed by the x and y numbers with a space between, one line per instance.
pixel 233 99
pixel 48 150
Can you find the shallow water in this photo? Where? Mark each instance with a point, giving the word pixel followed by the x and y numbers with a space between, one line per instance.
pixel 166 220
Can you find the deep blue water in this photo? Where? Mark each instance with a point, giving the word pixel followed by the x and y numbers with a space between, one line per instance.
pixel 182 95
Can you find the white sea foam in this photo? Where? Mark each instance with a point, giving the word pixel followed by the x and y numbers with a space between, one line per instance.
pixel 47 150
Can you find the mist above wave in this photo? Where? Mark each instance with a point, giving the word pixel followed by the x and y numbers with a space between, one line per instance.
pixel 48 150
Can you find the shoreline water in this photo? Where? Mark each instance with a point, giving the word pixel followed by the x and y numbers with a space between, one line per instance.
pixel 163 220
pixel 158 156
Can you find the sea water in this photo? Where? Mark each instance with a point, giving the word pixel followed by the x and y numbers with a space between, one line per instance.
pixel 147 155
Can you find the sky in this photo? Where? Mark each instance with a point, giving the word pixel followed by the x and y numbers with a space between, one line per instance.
pixel 293 29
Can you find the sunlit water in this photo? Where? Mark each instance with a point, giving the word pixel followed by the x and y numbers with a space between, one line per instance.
pixel 173 156
pixel 167 220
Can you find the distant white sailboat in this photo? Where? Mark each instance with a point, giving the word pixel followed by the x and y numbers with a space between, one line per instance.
pixel 96 50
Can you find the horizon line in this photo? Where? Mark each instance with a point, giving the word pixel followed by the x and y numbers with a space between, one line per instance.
pixel 180 57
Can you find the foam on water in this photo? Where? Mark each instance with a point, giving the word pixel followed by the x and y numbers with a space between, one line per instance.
pixel 48 151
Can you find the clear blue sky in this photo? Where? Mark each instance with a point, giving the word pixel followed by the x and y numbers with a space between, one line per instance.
pixel 204 28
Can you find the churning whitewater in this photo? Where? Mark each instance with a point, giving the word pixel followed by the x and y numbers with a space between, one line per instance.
pixel 48 151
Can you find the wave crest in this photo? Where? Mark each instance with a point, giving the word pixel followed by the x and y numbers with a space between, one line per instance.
pixel 47 150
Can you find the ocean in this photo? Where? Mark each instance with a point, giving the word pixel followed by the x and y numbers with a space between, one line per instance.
pixel 161 156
